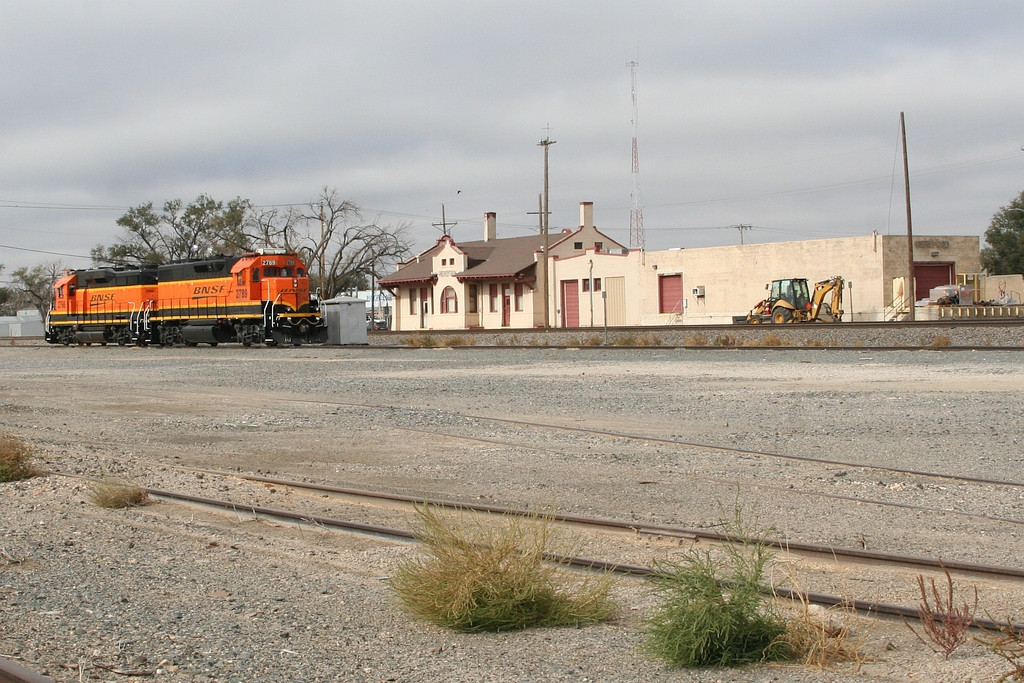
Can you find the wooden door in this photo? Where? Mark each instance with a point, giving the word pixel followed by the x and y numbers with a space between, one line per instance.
pixel 570 303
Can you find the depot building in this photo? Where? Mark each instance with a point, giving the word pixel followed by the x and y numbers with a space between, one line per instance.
pixel 589 279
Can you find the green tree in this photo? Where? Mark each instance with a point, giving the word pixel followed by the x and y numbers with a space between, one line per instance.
pixel 35 285
pixel 202 228
pixel 1004 253
pixel 342 251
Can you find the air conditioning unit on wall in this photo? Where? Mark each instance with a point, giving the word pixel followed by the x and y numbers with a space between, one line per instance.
pixel 698 291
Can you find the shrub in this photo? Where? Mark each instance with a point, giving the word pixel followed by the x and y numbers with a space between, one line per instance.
pixel 627 340
pixel 652 340
pixel 420 340
pixel 696 340
pixel 1010 646
pixel 15 459
pixel 496 577
pixel 771 339
pixel 725 340
pixel 941 340
pixel 822 638
pixel 713 611
pixel 458 340
pixel 116 494
pixel 944 623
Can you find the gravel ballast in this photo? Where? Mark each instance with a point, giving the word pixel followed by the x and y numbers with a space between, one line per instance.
pixel 178 593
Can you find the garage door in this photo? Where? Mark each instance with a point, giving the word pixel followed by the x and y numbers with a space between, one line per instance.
pixel 670 293
pixel 929 275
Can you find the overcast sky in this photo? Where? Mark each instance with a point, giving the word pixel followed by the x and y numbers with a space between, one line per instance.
pixel 780 115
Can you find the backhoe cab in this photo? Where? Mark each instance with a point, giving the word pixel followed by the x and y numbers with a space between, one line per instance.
pixel 791 301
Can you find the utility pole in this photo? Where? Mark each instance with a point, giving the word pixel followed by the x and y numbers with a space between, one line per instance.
pixel 444 223
pixel 543 276
pixel 545 222
pixel 323 249
pixel 909 291
pixel 741 228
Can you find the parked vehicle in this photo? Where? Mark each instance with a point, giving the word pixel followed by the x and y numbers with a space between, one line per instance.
pixel 791 301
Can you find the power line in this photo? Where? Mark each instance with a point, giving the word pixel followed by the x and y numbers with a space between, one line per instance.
pixel 53 206
pixel 42 251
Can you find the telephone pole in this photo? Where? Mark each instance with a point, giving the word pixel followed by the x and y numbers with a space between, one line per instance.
pixel 545 229
pixel 741 228
pixel 909 291
pixel 444 223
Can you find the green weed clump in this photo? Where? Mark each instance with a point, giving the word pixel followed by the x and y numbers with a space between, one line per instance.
pixel 116 494
pixel 458 340
pixel 496 577
pixel 420 340
pixel 772 339
pixel 628 339
pixel 713 612
pixel 653 340
pixel 15 459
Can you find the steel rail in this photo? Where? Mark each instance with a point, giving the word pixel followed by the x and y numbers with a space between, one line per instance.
pixel 864 606
pixel 648 529
pixel 659 440
pixel 11 672
pixel 818 494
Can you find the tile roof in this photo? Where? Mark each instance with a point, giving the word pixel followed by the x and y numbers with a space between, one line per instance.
pixel 495 258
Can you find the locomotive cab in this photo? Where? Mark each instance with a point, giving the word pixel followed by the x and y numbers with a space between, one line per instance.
pixel 280 282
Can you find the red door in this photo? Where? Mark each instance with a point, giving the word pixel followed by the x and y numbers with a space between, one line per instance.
pixel 929 275
pixel 570 303
pixel 506 306
pixel 670 294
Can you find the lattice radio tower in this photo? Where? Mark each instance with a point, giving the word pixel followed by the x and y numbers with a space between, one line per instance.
pixel 636 212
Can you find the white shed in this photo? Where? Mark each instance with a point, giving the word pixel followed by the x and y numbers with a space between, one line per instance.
pixel 27 323
pixel 346 320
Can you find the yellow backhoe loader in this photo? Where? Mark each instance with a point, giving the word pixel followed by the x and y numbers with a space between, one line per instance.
pixel 790 301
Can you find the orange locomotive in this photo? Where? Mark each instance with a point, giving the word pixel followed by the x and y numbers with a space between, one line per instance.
pixel 253 299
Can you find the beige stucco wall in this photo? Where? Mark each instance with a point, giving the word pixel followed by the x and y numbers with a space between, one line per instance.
pixel 733 279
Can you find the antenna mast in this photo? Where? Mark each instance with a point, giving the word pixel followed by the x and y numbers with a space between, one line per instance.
pixel 636 213
pixel 444 224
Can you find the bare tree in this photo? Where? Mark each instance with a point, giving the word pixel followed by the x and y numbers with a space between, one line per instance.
pixel 341 250
pixel 35 285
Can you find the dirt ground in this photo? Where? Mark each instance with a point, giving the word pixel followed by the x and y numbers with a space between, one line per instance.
pixel 869 430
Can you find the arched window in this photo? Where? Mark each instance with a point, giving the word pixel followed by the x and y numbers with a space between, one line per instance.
pixel 449 302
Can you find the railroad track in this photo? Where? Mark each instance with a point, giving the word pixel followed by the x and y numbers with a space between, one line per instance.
pixel 843 554
pixel 823 553
pixel 473 423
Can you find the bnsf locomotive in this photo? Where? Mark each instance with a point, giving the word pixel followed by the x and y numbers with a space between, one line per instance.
pixel 252 299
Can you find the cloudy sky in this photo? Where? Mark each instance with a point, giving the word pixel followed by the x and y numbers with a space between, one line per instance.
pixel 779 115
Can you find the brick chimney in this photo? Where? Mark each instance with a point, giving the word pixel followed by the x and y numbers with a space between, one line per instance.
pixel 586 214
pixel 490 226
